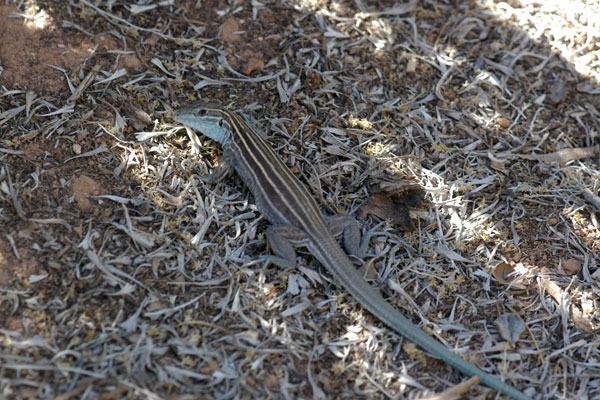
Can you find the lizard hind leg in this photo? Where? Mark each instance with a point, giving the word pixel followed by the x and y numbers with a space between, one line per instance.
pixel 282 239
pixel 349 228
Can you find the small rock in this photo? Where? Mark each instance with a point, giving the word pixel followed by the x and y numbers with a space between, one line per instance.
pixel 571 266
pixel 130 61
pixel 253 64
pixel 227 32
pixel 503 122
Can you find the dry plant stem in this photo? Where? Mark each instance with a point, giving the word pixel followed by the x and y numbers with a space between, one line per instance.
pixel 456 391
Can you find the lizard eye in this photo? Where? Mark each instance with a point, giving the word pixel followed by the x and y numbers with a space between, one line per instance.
pixel 201 112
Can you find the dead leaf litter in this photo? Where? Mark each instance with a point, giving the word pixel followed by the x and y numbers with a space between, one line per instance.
pixel 123 275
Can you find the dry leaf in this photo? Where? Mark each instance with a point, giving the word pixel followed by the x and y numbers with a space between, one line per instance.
pixel 557 91
pixel 369 270
pixel 391 201
pixel 591 198
pixel 579 318
pixel 505 273
pixel 382 206
pixel 498 164
pixel 571 266
pixel 456 391
pixel 510 327
pixel 565 155
pixel 450 254
pixel 406 192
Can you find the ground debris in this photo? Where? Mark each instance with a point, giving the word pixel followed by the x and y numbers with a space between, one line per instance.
pixel 124 275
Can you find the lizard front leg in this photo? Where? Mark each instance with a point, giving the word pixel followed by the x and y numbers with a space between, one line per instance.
pixel 224 168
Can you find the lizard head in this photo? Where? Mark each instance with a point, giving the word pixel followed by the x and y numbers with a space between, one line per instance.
pixel 212 121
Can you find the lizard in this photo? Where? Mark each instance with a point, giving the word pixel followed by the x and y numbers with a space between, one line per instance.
pixel 296 220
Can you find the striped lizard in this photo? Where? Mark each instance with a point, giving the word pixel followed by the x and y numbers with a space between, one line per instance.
pixel 296 221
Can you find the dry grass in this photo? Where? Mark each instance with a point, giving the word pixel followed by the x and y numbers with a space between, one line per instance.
pixel 122 275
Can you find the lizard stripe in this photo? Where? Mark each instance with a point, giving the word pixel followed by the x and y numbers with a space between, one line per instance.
pixel 275 178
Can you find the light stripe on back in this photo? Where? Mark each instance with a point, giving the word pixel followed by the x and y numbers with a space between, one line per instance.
pixel 272 177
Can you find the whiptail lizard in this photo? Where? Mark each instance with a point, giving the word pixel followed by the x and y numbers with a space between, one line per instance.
pixel 285 202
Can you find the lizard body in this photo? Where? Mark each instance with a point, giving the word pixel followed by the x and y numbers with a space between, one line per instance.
pixel 297 221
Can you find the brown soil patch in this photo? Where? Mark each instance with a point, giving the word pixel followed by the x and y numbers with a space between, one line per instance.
pixel 25 51
pixel 13 268
pixel 82 188
pixel 29 46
